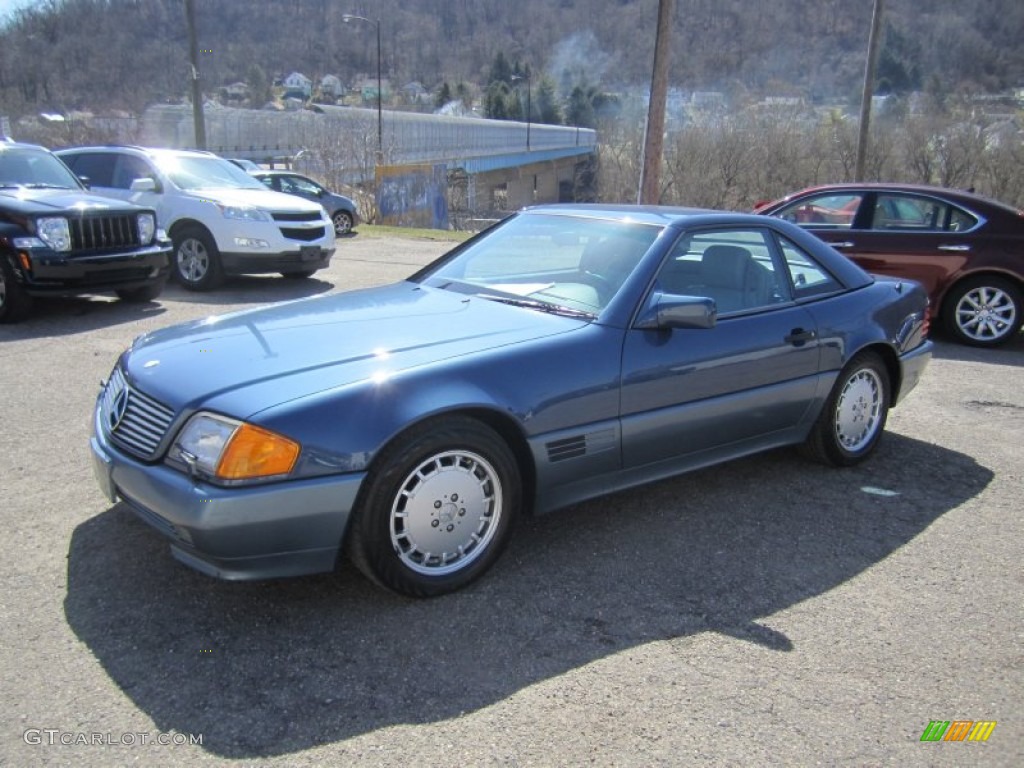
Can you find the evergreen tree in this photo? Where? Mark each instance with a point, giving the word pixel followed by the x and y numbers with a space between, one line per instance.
pixel 545 105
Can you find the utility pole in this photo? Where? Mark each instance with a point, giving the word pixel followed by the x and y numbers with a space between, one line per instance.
pixel 869 87
pixel 197 89
pixel 654 140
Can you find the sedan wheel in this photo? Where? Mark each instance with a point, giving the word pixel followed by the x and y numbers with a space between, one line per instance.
pixel 438 510
pixel 196 260
pixel 342 222
pixel 853 419
pixel 984 312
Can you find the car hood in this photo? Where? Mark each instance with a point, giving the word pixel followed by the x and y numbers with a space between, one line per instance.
pixel 248 361
pixel 34 202
pixel 257 198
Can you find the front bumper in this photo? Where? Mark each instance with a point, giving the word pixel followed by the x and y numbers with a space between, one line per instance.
pixel 289 528
pixel 305 258
pixel 61 274
pixel 912 365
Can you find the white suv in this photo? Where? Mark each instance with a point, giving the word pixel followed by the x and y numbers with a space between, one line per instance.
pixel 221 220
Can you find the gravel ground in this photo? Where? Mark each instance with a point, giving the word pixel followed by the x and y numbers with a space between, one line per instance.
pixel 764 612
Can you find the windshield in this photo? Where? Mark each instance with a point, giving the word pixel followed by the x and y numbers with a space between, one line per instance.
pixel 575 262
pixel 30 167
pixel 191 172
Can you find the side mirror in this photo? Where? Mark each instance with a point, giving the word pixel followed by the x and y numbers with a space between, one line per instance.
pixel 144 184
pixel 667 310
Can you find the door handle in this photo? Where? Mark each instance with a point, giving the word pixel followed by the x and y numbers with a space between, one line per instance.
pixel 842 244
pixel 798 337
pixel 954 247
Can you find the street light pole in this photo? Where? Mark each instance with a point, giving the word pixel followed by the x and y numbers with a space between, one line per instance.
pixel 529 106
pixel 347 17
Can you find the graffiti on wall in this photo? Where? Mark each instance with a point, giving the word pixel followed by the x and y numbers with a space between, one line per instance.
pixel 413 195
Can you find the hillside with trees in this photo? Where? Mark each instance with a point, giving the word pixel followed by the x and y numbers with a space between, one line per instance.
pixel 63 55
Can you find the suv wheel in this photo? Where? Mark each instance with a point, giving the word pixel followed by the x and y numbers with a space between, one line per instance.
pixel 14 302
pixel 196 259
pixel 342 222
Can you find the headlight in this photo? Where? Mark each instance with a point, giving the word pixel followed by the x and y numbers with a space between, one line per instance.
pixel 147 228
pixel 244 213
pixel 54 232
pixel 229 450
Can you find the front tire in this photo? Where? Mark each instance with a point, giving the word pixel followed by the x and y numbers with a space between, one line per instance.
pixel 984 311
pixel 15 303
pixel 853 419
pixel 196 260
pixel 438 508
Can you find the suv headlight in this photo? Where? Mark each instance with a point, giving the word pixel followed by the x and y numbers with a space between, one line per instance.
pixel 147 227
pixel 244 213
pixel 230 451
pixel 54 232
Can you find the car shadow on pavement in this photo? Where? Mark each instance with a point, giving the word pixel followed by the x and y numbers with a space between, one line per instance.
pixel 1011 353
pixel 253 289
pixel 51 316
pixel 272 668
pixel 67 316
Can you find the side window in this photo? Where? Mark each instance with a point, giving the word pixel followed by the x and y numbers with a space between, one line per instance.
pixel 734 267
pixel 960 220
pixel 829 211
pixel 302 186
pixel 807 277
pixel 129 169
pixel 908 213
pixel 97 167
pixel 268 181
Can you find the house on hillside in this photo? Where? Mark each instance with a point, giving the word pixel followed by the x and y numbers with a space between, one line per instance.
pixel 235 92
pixel 297 86
pixel 332 88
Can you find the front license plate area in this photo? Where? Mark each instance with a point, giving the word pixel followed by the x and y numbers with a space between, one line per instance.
pixel 309 253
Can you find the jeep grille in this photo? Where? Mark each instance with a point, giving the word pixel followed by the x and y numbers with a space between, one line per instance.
pixel 100 233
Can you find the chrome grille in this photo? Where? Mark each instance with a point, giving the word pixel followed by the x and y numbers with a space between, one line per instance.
pixel 98 233
pixel 134 421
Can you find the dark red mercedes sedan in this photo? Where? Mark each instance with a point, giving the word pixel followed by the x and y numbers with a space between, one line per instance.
pixel 967 250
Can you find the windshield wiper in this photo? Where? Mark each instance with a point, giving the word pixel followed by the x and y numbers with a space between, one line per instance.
pixel 43 185
pixel 540 306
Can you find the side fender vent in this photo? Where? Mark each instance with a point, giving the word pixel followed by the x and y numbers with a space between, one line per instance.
pixel 567 448
pixel 587 444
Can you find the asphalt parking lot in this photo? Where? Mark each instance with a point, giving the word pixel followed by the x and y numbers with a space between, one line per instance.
pixel 764 612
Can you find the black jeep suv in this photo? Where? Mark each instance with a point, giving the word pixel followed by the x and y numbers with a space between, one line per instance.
pixel 56 239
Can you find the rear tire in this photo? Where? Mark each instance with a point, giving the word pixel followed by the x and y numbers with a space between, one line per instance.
pixel 437 509
pixel 983 311
pixel 852 421
pixel 15 303
pixel 196 260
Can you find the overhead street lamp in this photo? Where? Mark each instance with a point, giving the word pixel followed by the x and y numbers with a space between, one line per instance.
pixel 347 17
pixel 529 110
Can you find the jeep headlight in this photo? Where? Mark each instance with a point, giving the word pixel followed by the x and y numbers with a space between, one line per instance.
pixel 244 213
pixel 229 450
pixel 53 231
pixel 147 227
